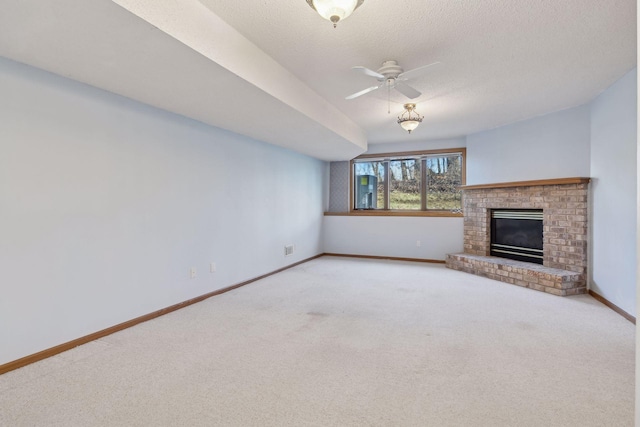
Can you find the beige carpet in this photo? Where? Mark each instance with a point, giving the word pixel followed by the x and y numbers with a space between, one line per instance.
pixel 346 342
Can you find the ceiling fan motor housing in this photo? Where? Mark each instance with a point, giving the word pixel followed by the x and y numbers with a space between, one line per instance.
pixel 392 76
pixel 390 69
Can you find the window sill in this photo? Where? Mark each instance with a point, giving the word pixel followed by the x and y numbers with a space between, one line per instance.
pixel 380 212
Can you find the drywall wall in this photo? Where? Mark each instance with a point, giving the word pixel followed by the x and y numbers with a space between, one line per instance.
pixel 597 139
pixel 556 145
pixel 106 204
pixel 418 145
pixel 613 189
pixel 394 236
pixel 389 236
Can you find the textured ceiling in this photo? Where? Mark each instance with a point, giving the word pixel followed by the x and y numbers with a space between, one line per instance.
pixel 279 63
pixel 501 60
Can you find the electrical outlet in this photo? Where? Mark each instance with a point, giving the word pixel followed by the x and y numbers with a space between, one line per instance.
pixel 212 267
pixel 192 273
pixel 418 243
pixel 288 250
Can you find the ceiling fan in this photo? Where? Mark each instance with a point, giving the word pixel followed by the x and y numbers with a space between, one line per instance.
pixel 392 76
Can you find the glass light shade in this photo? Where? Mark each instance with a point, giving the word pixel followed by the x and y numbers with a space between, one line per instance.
pixel 409 125
pixel 409 119
pixel 335 10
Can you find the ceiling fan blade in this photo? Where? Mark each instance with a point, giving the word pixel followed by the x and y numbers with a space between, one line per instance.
pixel 415 72
pixel 362 92
pixel 407 90
pixel 368 72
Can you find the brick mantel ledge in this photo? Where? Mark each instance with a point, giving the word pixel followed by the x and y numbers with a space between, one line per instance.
pixel 557 181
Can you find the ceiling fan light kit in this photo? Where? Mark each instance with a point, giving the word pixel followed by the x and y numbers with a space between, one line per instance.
pixel 410 119
pixel 335 10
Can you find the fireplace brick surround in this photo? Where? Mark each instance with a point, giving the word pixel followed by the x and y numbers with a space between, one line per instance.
pixel 564 204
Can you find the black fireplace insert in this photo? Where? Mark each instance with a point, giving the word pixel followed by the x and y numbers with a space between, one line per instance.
pixel 517 234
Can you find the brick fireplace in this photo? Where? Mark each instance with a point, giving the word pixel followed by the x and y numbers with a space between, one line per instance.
pixel 564 253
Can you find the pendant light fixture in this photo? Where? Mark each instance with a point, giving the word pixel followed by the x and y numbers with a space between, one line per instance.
pixel 409 119
pixel 335 10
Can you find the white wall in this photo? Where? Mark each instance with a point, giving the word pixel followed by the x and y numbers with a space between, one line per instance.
pixel 552 146
pixel 394 236
pixel 614 209
pixel 106 203
pixel 595 140
pixel 435 144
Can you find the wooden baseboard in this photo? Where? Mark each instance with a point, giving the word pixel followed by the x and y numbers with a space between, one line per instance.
pixel 108 331
pixel 19 363
pixel 392 258
pixel 613 307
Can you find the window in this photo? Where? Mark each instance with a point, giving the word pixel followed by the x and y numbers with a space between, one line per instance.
pixel 409 182
pixel 404 184
pixel 369 185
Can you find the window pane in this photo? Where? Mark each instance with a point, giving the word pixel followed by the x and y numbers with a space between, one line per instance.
pixel 369 185
pixel 444 177
pixel 404 184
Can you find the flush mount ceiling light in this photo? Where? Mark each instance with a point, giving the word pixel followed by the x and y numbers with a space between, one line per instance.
pixel 410 119
pixel 335 10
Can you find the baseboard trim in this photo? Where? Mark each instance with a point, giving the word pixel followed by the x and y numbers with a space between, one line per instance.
pixel 392 258
pixel 613 307
pixel 27 360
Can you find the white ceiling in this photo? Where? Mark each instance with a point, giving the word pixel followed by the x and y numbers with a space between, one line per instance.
pixel 275 71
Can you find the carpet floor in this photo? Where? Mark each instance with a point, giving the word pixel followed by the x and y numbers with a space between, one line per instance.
pixel 346 342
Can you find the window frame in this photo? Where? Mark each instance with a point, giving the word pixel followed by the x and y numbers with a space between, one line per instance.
pixel 399 156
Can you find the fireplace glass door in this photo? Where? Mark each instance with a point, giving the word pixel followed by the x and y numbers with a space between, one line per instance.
pixel 517 234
